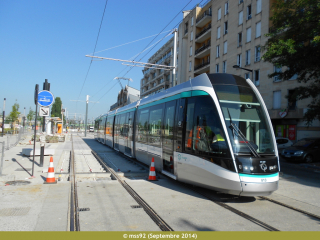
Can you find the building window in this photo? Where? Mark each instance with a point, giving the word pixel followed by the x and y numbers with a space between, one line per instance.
pixel 226 8
pixel 257 54
pixel 240 17
pixel 143 82
pixel 191 36
pixel 190 65
pixel 154 84
pixel 226 27
pixel 278 70
pixel 247 75
pixel 239 39
pixel 218 51
pixel 217 68
pixel 190 51
pixel 239 60
pixel 218 32
pixel 248 57
pixel 249 12
pixel 258 6
pixel 258 29
pixel 277 99
pixel 292 103
pixel 257 77
pixel 219 13
pixel 186 27
pixel 192 21
pixel 225 47
pixel 224 67
pixel 240 1
pixel 249 34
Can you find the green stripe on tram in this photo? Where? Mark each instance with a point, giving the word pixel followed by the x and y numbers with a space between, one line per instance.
pixel 177 96
pixel 259 176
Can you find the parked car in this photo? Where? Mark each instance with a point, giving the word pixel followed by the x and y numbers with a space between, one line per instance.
pixel 91 129
pixel 306 149
pixel 283 142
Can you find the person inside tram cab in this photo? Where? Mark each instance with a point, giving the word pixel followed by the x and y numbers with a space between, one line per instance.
pixel 218 136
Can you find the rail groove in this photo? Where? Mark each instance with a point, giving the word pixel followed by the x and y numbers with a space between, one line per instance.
pixel 152 214
pixel 242 214
pixel 292 208
pixel 74 213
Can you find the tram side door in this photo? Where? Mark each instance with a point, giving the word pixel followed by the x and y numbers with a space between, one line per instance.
pixel 168 137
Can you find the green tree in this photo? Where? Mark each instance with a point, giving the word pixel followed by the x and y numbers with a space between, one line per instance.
pixel 14 114
pixel 30 115
pixel 294 42
pixel 56 108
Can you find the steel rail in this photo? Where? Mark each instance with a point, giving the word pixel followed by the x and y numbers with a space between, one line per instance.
pixel 242 214
pixel 292 208
pixel 152 214
pixel 74 213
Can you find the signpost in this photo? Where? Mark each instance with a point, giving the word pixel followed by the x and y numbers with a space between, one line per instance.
pixel 36 91
pixel 45 99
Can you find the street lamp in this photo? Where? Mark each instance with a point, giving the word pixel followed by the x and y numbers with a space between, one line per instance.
pixel 249 70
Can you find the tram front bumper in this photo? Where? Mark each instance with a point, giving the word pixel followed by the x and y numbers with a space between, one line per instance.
pixel 258 189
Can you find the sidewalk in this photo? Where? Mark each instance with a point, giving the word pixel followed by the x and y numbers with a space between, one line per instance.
pixel 26 203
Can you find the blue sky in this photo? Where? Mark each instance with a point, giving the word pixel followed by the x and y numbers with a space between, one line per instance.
pixel 48 39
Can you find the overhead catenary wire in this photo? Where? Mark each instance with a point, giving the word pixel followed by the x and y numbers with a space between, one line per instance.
pixel 85 79
pixel 149 46
pixel 129 42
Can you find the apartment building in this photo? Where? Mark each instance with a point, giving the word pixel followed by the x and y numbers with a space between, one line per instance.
pixel 126 96
pixel 154 79
pixel 219 34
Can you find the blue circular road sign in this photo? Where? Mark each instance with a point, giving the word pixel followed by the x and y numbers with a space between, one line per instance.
pixel 45 98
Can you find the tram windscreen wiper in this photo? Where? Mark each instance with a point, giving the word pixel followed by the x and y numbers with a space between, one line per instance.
pixel 236 130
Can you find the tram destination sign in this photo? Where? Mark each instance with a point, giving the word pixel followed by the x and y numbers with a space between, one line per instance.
pixel 45 98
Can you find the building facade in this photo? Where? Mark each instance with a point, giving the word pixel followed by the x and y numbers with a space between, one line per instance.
pixel 156 80
pixel 219 34
pixel 126 96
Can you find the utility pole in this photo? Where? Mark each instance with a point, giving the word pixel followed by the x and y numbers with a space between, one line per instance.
pixel 174 57
pixel 3 113
pixel 36 91
pixel 85 121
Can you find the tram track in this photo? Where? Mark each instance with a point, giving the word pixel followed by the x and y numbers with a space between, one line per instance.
pixel 74 213
pixel 291 207
pixel 146 207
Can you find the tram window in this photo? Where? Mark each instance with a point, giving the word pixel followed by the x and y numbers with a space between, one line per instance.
pixel 123 125
pixel 204 134
pixel 189 125
pixel 142 125
pixel 130 122
pixel 110 120
pixel 155 119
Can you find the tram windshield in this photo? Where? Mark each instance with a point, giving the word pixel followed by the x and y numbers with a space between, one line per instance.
pixel 245 119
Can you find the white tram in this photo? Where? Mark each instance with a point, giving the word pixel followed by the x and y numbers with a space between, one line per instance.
pixel 213 131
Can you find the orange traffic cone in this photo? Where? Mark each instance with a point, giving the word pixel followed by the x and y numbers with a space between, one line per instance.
pixel 50 178
pixel 152 173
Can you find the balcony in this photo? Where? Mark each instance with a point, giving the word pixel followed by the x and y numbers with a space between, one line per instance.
pixel 202 68
pixel 203 19
pixel 203 50
pixel 204 34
